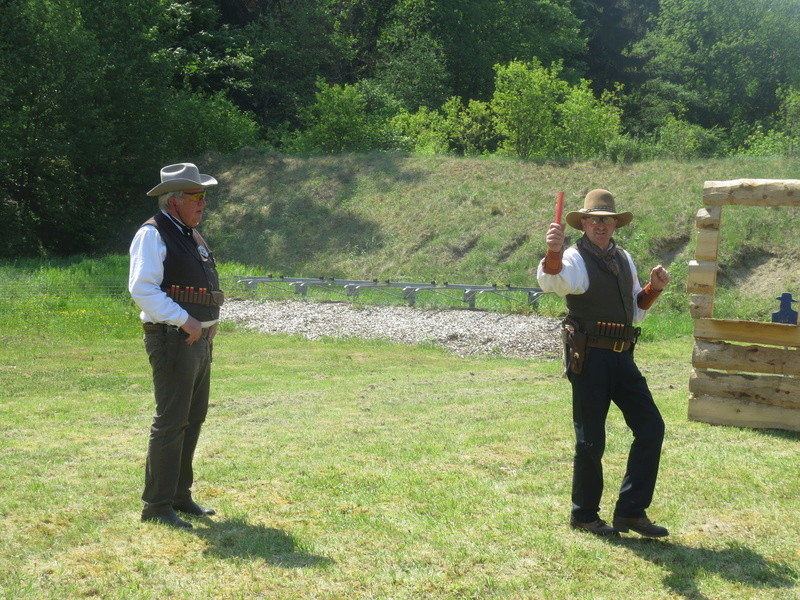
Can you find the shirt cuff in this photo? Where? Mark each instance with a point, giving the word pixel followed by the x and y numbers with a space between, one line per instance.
pixel 552 262
pixel 647 297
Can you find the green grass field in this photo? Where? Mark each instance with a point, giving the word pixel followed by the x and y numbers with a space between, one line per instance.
pixel 367 470
pixel 359 470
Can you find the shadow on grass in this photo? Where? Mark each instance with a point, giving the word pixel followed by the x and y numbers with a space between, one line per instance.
pixel 236 538
pixel 283 212
pixel 781 434
pixel 686 564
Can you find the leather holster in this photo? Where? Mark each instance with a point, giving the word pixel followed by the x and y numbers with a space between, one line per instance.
pixel 575 345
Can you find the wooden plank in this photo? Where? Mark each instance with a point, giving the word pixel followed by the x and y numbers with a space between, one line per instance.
pixel 763 389
pixel 707 247
pixel 753 359
pixel 708 217
pixel 701 305
pixel 702 277
pixel 739 413
pixel 752 192
pixel 748 332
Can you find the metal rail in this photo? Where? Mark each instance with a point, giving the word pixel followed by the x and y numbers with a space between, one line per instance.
pixel 406 291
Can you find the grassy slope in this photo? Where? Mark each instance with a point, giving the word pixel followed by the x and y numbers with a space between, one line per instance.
pixel 476 220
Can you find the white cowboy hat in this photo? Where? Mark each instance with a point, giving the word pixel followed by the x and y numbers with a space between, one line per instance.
pixel 181 176
pixel 600 203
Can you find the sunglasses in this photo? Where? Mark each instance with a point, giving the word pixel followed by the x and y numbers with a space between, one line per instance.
pixel 605 220
pixel 195 196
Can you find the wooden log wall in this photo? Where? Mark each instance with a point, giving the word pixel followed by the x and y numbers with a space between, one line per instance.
pixel 755 385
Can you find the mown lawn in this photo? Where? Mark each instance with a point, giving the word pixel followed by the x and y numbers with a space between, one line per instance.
pixel 349 469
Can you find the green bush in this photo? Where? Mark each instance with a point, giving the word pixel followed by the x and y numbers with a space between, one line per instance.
pixel 465 129
pixel 340 120
pixel 215 123
pixel 769 143
pixel 626 149
pixel 789 118
pixel 587 124
pixel 471 127
pixel 539 115
pixel 424 132
pixel 681 140
pixel 525 102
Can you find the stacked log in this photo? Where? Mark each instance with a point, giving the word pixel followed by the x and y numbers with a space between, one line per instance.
pixel 745 374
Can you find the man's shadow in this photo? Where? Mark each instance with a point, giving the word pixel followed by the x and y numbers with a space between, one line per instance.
pixel 686 564
pixel 237 538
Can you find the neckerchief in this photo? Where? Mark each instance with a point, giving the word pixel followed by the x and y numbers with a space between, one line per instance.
pixel 608 257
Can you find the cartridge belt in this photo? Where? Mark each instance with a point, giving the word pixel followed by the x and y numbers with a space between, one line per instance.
pixel 614 344
pixel 194 295
pixel 616 331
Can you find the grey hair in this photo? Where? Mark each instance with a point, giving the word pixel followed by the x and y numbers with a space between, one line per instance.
pixel 163 199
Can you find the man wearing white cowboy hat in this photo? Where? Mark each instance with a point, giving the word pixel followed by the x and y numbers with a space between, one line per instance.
pixel 604 300
pixel 173 279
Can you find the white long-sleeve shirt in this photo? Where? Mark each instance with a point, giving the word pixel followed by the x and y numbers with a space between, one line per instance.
pixel 147 253
pixel 574 279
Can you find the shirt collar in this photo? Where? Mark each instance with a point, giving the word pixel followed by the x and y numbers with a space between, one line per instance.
pixel 185 229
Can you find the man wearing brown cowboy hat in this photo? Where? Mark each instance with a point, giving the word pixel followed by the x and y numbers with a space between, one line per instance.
pixel 604 300
pixel 173 279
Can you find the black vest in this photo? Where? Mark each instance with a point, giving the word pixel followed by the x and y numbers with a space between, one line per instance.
pixel 609 298
pixel 189 263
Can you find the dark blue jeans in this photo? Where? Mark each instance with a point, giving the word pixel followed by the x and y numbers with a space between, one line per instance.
pixel 607 377
pixel 181 382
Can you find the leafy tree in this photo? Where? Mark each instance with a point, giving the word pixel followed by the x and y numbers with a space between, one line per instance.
pixel 611 28
pixel 87 118
pixel 413 71
pixel 264 55
pixel 449 46
pixel 357 28
pixel 456 127
pixel 77 119
pixel 479 34
pixel 718 63
pixel 766 143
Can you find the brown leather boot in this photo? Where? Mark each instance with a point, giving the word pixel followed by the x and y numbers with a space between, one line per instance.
pixel 641 525
pixel 598 527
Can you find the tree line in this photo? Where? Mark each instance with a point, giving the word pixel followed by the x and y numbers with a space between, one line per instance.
pixel 96 95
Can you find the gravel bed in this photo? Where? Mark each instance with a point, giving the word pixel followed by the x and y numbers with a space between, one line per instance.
pixel 463 332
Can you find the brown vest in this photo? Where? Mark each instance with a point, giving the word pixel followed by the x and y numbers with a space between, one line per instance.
pixel 189 263
pixel 609 298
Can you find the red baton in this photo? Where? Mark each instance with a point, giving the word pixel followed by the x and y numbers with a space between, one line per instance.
pixel 559 207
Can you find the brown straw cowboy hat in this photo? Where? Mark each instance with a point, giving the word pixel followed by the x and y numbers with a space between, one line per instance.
pixel 598 203
pixel 181 176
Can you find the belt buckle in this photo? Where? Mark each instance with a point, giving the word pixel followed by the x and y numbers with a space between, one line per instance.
pixel 619 345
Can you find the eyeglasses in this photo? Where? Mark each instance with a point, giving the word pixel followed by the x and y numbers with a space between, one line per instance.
pixel 605 220
pixel 195 196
